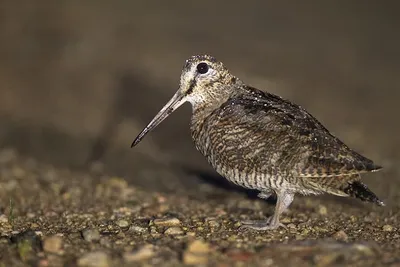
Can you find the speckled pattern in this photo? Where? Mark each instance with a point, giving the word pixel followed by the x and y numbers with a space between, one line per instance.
pixel 260 141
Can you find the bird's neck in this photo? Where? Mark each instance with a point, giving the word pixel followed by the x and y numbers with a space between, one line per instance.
pixel 215 96
pixel 208 104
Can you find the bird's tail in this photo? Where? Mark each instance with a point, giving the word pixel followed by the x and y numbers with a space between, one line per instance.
pixel 359 190
pixel 346 185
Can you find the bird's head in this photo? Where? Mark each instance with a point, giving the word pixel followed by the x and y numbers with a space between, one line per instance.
pixel 203 80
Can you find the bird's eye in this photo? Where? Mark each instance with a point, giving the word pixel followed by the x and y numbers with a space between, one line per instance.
pixel 202 68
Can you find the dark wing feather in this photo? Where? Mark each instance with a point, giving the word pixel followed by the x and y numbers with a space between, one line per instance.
pixel 319 153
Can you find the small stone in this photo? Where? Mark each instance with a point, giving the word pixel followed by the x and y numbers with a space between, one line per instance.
pixel 167 222
pixel 366 250
pixel 28 244
pixel 52 244
pixel 94 259
pixel 123 223
pixel 326 259
pixel 340 235
pixel 196 253
pixel 154 233
pixel 322 210
pixel 35 226
pixel 142 254
pixel 120 235
pixel 138 229
pixel 91 235
pixel 387 228
pixel 32 215
pixel 239 255
pixel 213 223
pixel 199 246
pixel 305 231
pixel 286 220
pixel 3 218
pixel 174 231
pixel 232 238
pixel 43 263
pixel 39 233
pixel 291 225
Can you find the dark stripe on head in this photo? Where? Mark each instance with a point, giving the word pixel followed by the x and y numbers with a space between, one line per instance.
pixel 191 87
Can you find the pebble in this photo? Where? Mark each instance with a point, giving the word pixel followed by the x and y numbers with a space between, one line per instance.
pixel 174 231
pixel 91 235
pixel 154 233
pixel 53 244
pixel 138 229
pixel 94 259
pixel 123 223
pixel 213 223
pixel 340 235
pixel 305 231
pixel 105 242
pixel 191 234
pixel 387 228
pixel 35 226
pixel 366 250
pixel 196 253
pixel 28 244
pixel 239 255
pixel 142 254
pixel 3 218
pixel 167 222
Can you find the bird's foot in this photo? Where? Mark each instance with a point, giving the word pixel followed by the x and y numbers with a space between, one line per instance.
pixel 261 225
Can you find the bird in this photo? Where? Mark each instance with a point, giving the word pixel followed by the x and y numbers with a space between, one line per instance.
pixel 261 141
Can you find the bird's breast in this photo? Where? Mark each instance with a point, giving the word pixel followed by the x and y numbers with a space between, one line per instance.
pixel 238 154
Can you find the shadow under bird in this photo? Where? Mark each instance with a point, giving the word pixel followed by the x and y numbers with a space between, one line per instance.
pixel 261 141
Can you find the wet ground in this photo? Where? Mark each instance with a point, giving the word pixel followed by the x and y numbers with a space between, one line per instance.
pixel 79 81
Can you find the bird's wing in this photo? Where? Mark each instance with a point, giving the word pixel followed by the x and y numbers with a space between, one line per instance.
pixel 315 151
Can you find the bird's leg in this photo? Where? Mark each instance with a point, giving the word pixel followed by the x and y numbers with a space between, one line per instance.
pixel 283 201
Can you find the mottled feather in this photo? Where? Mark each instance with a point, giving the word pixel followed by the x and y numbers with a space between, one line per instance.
pixel 328 156
pixel 261 141
pixel 277 138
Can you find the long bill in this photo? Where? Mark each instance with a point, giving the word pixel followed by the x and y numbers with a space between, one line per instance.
pixel 173 104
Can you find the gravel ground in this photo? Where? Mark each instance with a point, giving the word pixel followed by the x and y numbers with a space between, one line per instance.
pixel 78 80
pixel 58 217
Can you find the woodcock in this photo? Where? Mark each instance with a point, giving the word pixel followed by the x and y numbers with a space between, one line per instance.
pixel 261 141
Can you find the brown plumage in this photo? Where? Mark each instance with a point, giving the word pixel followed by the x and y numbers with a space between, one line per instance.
pixel 260 141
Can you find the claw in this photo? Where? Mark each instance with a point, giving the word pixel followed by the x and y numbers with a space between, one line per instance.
pixel 260 225
pixel 283 201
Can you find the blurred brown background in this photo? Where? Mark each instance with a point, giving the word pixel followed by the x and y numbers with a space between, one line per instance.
pixel 79 79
